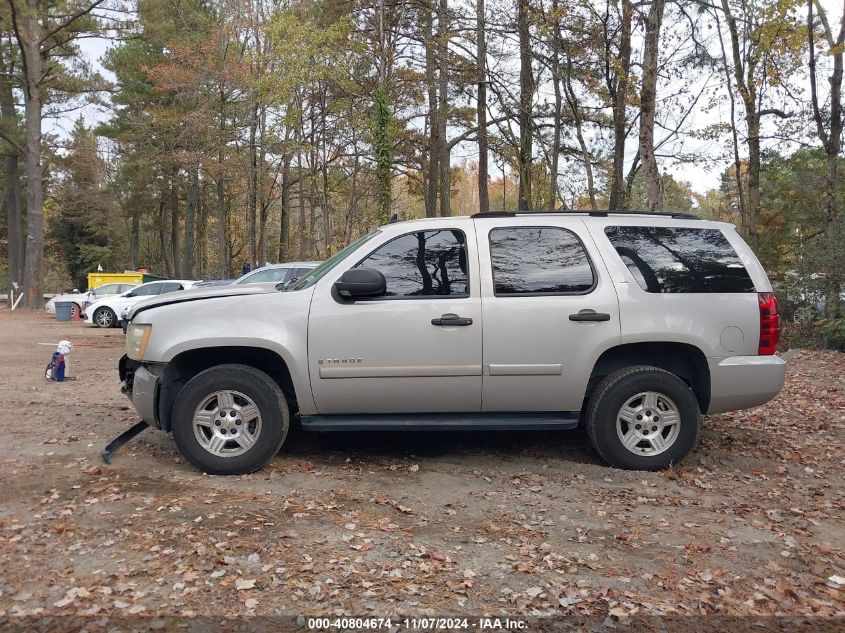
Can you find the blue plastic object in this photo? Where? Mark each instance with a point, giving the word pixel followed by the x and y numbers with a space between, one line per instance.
pixel 64 311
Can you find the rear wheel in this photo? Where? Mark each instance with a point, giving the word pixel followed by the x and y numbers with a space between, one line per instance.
pixel 105 317
pixel 230 420
pixel 642 418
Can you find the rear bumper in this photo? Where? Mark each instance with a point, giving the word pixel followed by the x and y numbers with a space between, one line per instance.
pixel 742 382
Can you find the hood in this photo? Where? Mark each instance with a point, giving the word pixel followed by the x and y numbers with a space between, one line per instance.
pixel 197 294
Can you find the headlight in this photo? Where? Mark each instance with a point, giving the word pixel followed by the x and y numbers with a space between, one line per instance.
pixel 137 337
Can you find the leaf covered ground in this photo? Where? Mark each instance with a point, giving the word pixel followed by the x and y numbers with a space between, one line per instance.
pixel 751 524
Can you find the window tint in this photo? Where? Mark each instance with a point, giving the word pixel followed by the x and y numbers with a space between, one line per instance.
pixel 150 289
pixel 423 264
pixel 539 260
pixel 672 260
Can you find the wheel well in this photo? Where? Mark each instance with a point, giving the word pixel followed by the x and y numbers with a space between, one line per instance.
pixel 685 361
pixel 188 364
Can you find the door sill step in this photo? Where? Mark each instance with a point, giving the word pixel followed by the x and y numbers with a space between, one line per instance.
pixel 556 420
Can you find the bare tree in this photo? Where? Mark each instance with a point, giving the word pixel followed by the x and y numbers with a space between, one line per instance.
pixel 526 100
pixel 648 99
pixel 481 63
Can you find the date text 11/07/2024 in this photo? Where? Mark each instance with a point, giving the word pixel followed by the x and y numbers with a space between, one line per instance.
pixel 423 624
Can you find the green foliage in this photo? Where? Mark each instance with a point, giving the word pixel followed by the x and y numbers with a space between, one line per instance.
pixel 82 230
pixel 383 151
pixel 833 330
pixel 677 196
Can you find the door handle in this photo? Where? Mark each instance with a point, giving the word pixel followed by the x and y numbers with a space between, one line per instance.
pixel 589 315
pixel 451 319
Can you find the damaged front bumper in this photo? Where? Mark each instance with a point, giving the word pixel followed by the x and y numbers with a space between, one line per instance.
pixel 141 386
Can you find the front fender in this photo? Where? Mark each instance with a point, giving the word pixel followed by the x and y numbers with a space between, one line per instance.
pixel 277 322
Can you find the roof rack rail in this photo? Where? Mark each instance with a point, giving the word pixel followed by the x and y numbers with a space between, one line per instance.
pixel 594 214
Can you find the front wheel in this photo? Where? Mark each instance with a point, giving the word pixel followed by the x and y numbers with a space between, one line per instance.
pixel 642 418
pixel 230 420
pixel 105 317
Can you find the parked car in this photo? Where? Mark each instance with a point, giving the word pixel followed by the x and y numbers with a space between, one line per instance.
pixel 633 324
pixel 214 282
pixel 276 273
pixel 104 312
pixel 271 273
pixel 82 300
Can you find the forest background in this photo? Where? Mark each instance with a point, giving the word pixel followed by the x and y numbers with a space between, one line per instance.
pixel 191 136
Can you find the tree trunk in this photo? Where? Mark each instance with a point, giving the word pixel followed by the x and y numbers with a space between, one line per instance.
pixel 12 188
pixel 200 235
pixel 526 99
pixel 162 234
pixel 648 101
pixel 556 134
pixel 444 160
pixel 752 120
pixel 832 142
pixel 191 196
pixel 263 193
pixel 745 82
pixel 740 190
pixel 222 219
pixel 176 253
pixel 33 275
pixel 433 171
pixel 284 214
pixel 579 133
pixel 135 240
pixel 301 220
pixel 481 65
pixel 252 205
pixel 619 74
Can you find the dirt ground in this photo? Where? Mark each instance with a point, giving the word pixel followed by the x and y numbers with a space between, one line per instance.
pixel 532 523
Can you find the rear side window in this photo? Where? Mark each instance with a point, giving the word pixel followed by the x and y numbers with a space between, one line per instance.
pixel 536 260
pixel 676 260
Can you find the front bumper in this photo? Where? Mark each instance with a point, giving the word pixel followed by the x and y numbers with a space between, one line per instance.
pixel 141 387
pixel 742 382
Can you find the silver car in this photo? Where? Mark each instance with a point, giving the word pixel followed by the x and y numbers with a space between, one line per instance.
pixel 633 324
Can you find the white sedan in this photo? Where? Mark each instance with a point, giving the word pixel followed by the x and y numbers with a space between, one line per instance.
pixel 82 300
pixel 104 312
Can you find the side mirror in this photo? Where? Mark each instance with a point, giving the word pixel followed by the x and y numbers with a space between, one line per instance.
pixel 361 282
pixel 131 294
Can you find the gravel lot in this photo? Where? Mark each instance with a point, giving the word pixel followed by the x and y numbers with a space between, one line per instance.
pixel 386 524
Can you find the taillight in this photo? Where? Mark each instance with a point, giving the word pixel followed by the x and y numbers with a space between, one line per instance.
pixel 769 324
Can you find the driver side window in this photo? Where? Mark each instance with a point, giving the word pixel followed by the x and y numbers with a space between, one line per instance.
pixel 423 264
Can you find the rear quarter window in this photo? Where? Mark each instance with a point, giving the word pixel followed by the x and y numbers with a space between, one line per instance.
pixel 679 260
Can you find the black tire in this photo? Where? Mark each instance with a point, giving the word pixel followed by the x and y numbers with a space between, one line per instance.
pixel 255 384
pixel 106 315
pixel 75 311
pixel 616 390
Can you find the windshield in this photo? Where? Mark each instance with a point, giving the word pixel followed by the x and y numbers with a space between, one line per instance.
pixel 313 276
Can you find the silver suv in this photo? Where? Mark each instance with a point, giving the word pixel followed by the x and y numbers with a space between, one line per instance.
pixel 633 324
